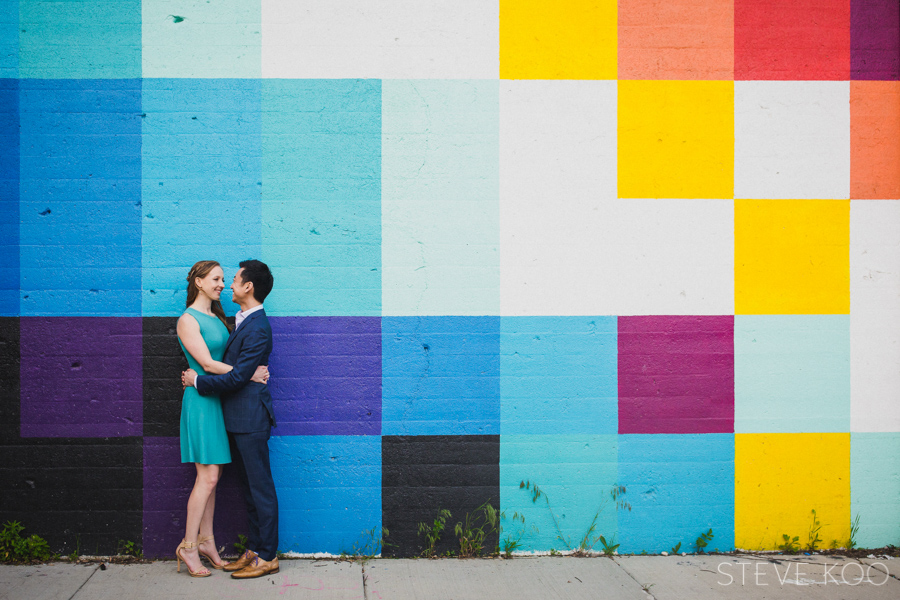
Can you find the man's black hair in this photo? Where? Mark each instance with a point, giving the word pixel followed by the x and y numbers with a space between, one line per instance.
pixel 257 273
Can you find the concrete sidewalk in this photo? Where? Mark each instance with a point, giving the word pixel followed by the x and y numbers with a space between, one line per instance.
pixel 522 578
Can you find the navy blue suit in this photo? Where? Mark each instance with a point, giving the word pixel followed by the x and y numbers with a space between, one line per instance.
pixel 247 407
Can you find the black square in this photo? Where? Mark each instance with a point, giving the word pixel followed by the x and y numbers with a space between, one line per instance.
pixel 423 474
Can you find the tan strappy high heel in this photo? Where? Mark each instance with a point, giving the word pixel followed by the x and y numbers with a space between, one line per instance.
pixel 207 556
pixel 185 545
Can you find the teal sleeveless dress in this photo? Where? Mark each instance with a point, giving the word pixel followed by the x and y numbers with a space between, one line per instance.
pixel 203 436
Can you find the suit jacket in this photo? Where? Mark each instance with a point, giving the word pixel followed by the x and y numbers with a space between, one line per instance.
pixel 246 405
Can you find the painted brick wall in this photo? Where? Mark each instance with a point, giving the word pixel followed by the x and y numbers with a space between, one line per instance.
pixel 511 243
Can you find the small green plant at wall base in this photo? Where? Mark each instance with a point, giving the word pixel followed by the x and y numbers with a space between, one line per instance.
pixel 240 546
pixel 127 548
pixel 432 533
pixel 814 529
pixel 608 547
pixel 554 552
pixel 369 546
pixel 675 549
pixel 703 541
pixel 854 530
pixel 790 545
pixel 16 549
pixel 475 528
pixel 512 542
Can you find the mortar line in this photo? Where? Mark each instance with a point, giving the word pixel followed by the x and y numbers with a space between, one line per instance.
pixel 632 577
pixel 365 591
pixel 97 568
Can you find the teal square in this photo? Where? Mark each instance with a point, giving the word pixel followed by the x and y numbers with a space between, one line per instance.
pixel 218 39
pixel 80 39
pixel 575 475
pixel 875 487
pixel 321 196
pixel 791 373
pixel 558 375
pixel 9 39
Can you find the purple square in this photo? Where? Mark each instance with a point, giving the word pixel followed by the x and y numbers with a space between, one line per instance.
pixel 167 486
pixel 326 375
pixel 81 377
pixel 875 39
pixel 676 374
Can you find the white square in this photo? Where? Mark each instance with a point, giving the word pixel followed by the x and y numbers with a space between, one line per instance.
pixel 792 139
pixel 874 315
pixel 389 39
pixel 568 245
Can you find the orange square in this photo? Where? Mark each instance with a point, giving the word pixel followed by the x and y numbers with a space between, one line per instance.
pixel 676 39
pixel 874 148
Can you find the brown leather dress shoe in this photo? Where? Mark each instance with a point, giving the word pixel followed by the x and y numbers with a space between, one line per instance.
pixel 257 568
pixel 241 563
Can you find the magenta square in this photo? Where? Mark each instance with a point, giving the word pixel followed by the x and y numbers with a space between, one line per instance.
pixel 81 377
pixel 676 374
pixel 167 485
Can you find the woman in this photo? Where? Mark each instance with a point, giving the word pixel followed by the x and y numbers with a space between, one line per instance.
pixel 202 333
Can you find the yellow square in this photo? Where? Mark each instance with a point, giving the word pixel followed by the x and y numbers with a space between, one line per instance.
pixel 780 478
pixel 565 39
pixel 791 257
pixel 676 139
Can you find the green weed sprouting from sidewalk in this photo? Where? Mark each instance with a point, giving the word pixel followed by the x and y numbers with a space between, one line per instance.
pixel 16 549
pixel 432 532
pixel 511 543
pixel 369 545
pixel 475 528
pixel 790 545
pixel 128 548
pixel 703 541
pixel 589 540
pixel 675 549
pixel 854 530
pixel 240 546
pixel 814 528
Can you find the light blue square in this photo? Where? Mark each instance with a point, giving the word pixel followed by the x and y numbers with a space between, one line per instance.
pixel 440 375
pixel 558 375
pixel 321 200
pixel 875 487
pixel 9 38
pixel 791 373
pixel 329 491
pixel 679 486
pixel 80 197
pixel 575 474
pixel 80 39
pixel 202 179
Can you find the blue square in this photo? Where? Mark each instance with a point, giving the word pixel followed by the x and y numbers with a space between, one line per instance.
pixel 679 486
pixel 329 491
pixel 558 375
pixel 9 197
pixel 575 475
pixel 440 375
pixel 321 203
pixel 80 197
pixel 202 178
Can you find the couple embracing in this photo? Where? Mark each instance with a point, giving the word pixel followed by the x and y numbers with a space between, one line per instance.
pixel 226 414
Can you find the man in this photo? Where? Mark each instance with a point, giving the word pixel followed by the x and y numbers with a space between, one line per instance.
pixel 247 407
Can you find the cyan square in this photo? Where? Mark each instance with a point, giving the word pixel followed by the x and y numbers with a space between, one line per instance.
pixel 321 202
pixel 575 475
pixel 9 39
pixel 80 197
pixel 440 375
pixel 875 487
pixel 791 373
pixel 80 39
pixel 679 486
pixel 329 491
pixel 558 375
pixel 202 176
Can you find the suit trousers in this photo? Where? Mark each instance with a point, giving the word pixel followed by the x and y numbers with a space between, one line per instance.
pixel 250 456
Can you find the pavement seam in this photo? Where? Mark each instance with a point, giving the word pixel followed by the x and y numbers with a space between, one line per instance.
pixel 364 577
pixel 84 583
pixel 888 573
pixel 644 588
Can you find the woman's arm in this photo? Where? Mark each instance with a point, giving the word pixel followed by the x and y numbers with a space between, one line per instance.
pixel 189 333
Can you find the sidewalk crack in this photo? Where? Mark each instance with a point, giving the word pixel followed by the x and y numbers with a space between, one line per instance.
pixel 644 587
pixel 97 568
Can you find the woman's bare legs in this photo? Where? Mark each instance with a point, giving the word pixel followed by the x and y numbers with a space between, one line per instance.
pixel 208 545
pixel 204 487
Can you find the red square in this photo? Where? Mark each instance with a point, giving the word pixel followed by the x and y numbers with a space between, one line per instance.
pixel 792 39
